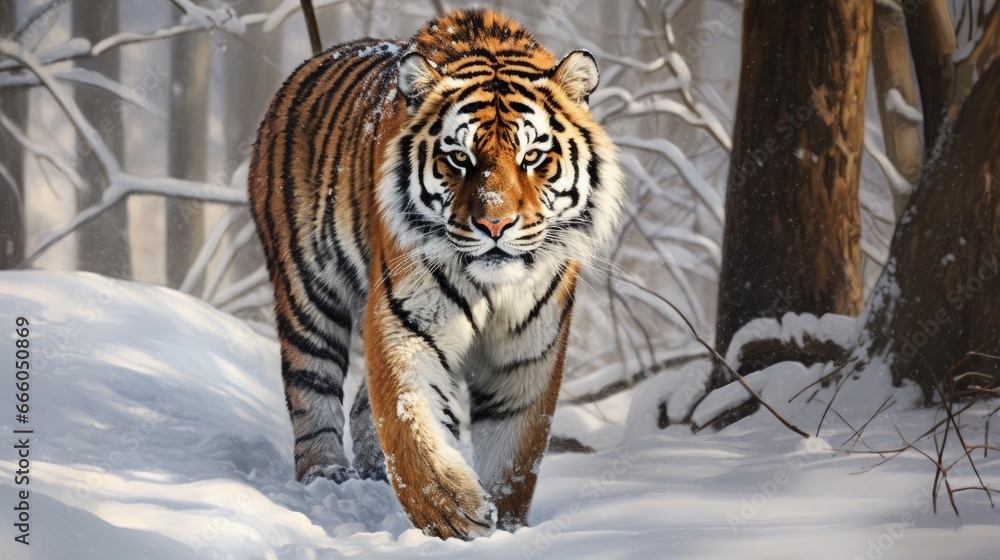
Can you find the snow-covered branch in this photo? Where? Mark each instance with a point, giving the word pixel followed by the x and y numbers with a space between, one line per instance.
pixel 43 152
pixel 66 103
pixel 899 185
pixel 676 157
pixel 125 185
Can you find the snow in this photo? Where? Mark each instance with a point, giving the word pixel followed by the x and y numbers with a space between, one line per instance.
pixel 488 197
pixel 792 327
pixel 895 103
pixel 160 431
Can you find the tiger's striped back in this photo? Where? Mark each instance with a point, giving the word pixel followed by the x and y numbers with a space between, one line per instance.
pixel 315 161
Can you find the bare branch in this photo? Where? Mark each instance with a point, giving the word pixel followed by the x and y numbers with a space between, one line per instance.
pixel 722 361
pixel 635 377
pixel 126 185
pixel 310 14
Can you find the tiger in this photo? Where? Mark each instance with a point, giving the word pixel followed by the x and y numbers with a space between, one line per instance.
pixel 438 197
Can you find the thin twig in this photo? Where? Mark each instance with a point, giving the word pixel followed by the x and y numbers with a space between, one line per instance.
pixel 859 432
pixel 948 405
pixel 719 359
pixel 829 405
pixel 313 26
pixel 622 384
pixel 817 382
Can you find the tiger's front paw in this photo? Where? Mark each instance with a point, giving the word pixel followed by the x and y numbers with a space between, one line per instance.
pixel 374 472
pixel 453 506
pixel 336 473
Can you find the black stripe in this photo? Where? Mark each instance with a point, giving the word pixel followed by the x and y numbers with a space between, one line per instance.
pixel 525 92
pixel 437 390
pixel 454 531
pixel 452 294
pixel 318 112
pixel 396 306
pixel 356 177
pixel 333 349
pixel 486 407
pixel 403 171
pixel 471 107
pixel 513 53
pixel 344 264
pixel 531 76
pixel 484 53
pixel 574 192
pixel 510 367
pixel 557 174
pixel 303 344
pixel 556 280
pixel 360 406
pixel 326 299
pixel 486 295
pixel 295 251
pixel 313 434
pixel 473 74
pixel 593 168
pixel 316 164
pixel 556 147
pixel 313 381
pixel 426 197
pixel 452 425
pixel 496 413
pixel 467 63
pixel 272 163
pixel 530 236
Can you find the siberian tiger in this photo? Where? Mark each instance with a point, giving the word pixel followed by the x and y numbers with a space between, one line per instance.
pixel 437 196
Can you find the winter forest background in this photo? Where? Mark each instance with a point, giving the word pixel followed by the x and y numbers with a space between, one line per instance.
pixel 125 130
pixel 176 90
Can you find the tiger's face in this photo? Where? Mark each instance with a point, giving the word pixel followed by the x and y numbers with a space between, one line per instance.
pixel 503 166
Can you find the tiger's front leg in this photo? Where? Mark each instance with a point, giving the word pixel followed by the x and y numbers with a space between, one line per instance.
pixel 415 338
pixel 514 385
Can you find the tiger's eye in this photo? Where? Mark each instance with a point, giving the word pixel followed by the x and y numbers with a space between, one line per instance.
pixel 531 156
pixel 460 157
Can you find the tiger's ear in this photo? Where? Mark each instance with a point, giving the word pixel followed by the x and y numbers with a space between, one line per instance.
pixel 578 75
pixel 417 76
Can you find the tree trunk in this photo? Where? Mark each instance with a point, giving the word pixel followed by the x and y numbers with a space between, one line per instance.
pixel 792 233
pixel 894 82
pixel 985 29
pixel 14 105
pixel 103 245
pixel 939 296
pixel 932 40
pixel 189 68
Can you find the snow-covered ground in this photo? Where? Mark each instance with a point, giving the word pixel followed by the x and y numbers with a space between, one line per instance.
pixel 160 432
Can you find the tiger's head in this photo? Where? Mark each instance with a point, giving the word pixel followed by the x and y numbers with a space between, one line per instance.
pixel 500 160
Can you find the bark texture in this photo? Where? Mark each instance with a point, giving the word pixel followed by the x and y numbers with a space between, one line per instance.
pixel 792 233
pixel 939 296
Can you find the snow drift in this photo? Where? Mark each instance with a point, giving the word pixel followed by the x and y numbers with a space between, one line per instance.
pixel 159 430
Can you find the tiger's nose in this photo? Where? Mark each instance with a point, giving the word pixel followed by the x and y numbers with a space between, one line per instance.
pixel 495 227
